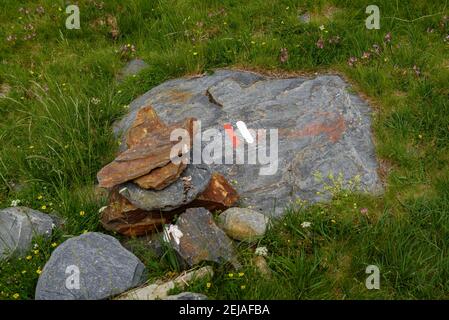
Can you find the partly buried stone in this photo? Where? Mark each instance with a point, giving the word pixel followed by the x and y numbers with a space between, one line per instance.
pixel 123 217
pixel 133 67
pixel 18 226
pixel 160 290
pixel 322 126
pixel 219 194
pixel 196 238
pixel 103 267
pixel 187 296
pixel 192 182
pixel 149 148
pixel 243 224
pixel 261 266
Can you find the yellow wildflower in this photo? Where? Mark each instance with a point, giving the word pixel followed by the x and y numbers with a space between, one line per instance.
pixel 241 274
pixel 208 285
pixel 54 244
pixel 242 287
pixel 29 257
pixel 82 213
pixel 38 271
pixel 16 296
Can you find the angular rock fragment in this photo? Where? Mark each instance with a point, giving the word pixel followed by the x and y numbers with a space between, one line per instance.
pixel 92 266
pixel 192 182
pixel 123 217
pixel 146 122
pixel 160 178
pixel 219 194
pixel 18 226
pixel 199 239
pixel 243 224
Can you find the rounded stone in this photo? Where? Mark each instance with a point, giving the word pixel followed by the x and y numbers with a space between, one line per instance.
pixel 243 224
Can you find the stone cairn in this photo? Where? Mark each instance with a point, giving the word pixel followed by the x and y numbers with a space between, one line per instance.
pixel 147 190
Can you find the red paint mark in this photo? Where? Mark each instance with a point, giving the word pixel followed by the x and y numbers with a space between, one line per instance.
pixel 333 129
pixel 230 132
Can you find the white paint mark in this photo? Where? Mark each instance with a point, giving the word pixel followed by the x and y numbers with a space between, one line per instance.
pixel 245 132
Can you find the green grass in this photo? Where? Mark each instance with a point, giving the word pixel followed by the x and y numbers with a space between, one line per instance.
pixel 55 131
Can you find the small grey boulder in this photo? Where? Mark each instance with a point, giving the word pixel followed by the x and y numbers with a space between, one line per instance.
pixel 92 266
pixel 195 238
pixel 18 226
pixel 243 224
pixel 133 67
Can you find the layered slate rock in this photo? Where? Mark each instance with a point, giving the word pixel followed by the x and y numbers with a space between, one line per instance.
pixel 18 226
pixel 200 239
pixel 104 267
pixel 123 217
pixel 322 127
pixel 192 182
pixel 149 147
pixel 243 224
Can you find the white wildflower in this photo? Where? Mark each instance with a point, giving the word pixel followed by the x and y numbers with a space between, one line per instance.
pixel 95 101
pixel 15 203
pixel 261 251
pixel 173 232
pixel 306 224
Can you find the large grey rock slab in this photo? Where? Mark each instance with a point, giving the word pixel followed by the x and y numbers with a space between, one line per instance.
pixel 196 238
pixel 18 226
pixel 192 182
pixel 322 127
pixel 92 266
